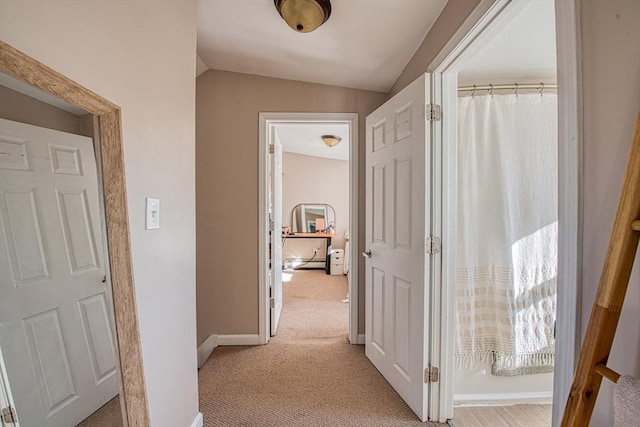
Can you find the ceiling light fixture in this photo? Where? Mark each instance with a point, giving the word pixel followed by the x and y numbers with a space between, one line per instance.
pixel 331 140
pixel 304 16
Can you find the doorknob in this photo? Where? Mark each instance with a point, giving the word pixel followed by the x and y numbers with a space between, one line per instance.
pixel 367 253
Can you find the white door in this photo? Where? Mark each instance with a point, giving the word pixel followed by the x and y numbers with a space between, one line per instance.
pixel 396 276
pixel 56 335
pixel 275 200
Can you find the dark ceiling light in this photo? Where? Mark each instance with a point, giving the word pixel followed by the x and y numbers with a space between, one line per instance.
pixel 331 140
pixel 304 16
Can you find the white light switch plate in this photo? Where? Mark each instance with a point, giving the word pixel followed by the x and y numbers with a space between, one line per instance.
pixel 153 214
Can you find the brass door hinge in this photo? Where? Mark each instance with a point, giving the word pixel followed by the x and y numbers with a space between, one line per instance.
pixel 433 245
pixel 431 375
pixel 9 415
pixel 433 112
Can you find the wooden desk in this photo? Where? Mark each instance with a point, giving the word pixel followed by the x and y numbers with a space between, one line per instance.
pixel 327 236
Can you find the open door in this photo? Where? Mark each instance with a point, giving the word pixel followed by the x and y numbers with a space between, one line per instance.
pixel 397 226
pixel 56 338
pixel 275 211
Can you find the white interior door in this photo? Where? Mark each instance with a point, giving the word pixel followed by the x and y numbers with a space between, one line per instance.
pixel 275 199
pixel 396 276
pixel 56 334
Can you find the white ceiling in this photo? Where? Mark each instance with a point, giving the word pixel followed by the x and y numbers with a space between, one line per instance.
pixel 365 44
pixel 304 138
pixel 524 51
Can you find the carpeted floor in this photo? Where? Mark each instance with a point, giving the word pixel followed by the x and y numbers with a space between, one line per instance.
pixel 108 415
pixel 308 375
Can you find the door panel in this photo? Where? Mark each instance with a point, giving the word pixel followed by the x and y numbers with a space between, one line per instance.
pixel 50 360
pixel 396 309
pixel 56 338
pixel 24 239
pixel 97 332
pixel 78 231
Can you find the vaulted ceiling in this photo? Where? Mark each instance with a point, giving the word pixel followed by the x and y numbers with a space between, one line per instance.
pixel 365 44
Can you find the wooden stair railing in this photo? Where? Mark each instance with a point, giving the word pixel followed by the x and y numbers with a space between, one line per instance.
pixel 623 244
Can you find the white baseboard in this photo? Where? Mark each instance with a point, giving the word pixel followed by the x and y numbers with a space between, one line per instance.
pixel 198 421
pixel 244 339
pixel 206 348
pixel 361 339
pixel 501 399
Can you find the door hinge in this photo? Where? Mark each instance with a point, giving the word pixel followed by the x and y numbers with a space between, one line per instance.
pixel 9 415
pixel 272 148
pixel 431 375
pixel 272 303
pixel 271 226
pixel 433 245
pixel 433 112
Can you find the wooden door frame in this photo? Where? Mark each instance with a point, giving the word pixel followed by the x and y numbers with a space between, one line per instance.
pixel 21 66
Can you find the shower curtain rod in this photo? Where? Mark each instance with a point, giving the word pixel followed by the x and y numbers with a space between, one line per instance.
pixel 515 86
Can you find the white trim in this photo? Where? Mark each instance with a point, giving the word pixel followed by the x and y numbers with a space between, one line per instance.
pixel 434 303
pixel 198 421
pixel 361 339
pixel 264 315
pixel 206 348
pixel 449 152
pixel 487 18
pixel 239 339
pixel 503 399
pixel 570 199
pixel 266 120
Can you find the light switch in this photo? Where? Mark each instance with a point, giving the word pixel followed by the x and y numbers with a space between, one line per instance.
pixel 153 214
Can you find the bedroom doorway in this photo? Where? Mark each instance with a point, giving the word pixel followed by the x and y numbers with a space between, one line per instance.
pixel 308 213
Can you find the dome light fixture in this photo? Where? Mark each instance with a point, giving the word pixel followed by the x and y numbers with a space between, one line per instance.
pixel 331 140
pixel 304 16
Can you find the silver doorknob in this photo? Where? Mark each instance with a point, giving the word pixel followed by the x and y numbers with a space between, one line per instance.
pixel 367 253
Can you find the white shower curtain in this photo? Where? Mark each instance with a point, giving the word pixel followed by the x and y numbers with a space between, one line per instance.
pixel 507 232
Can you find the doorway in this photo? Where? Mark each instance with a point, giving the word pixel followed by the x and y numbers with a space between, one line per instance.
pixel 54 85
pixel 466 46
pixel 506 251
pixel 319 229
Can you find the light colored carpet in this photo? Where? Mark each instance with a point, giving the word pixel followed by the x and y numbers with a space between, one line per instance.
pixel 503 416
pixel 308 375
pixel 107 416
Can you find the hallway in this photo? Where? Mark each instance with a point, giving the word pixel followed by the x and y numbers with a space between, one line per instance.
pixel 308 375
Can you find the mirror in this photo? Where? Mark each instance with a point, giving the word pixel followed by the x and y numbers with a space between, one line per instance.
pixel 313 218
pixel 58 330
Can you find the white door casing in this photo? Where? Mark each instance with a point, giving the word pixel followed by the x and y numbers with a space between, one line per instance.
pixel 275 201
pixel 396 273
pixel 56 334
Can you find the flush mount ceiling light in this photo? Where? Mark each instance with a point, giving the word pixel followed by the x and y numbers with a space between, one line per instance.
pixel 304 16
pixel 331 140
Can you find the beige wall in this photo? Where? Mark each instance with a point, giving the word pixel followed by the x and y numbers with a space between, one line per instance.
pixel 140 54
pixel 450 19
pixel 227 107
pixel 308 179
pixel 24 109
pixel 611 88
